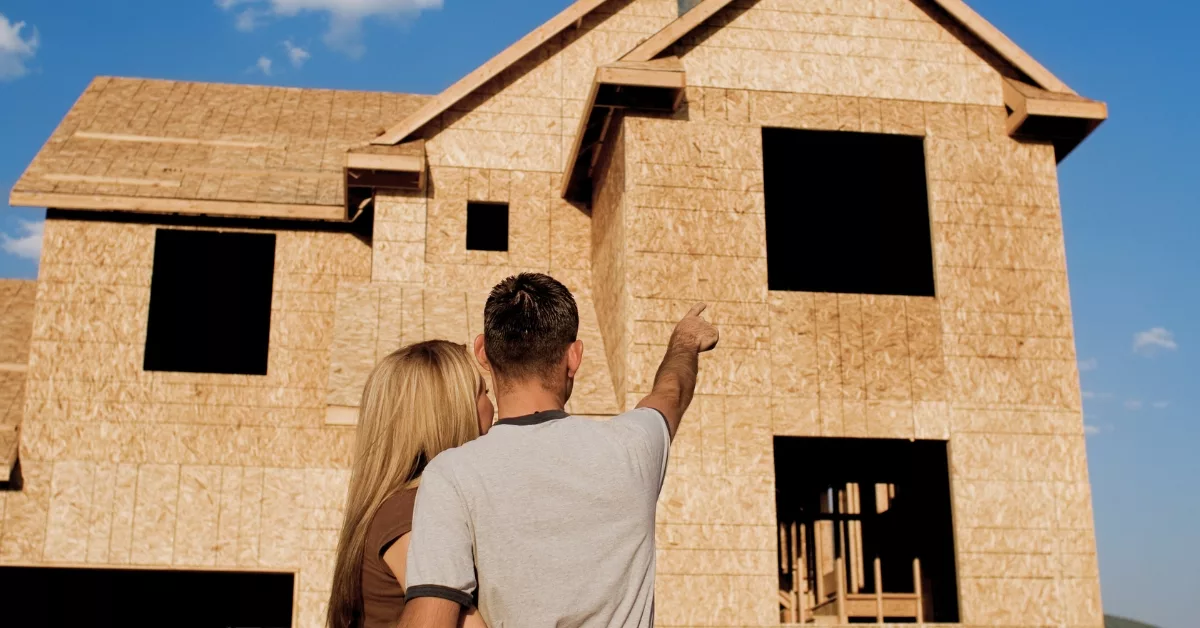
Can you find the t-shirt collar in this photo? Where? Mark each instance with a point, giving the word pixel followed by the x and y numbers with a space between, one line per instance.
pixel 537 418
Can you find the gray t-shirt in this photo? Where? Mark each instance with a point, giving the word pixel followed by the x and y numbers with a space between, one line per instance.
pixel 547 521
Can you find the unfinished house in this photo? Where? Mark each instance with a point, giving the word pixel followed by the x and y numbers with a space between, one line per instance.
pixel 864 191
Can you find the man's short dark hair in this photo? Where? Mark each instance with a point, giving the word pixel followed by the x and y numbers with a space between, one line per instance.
pixel 529 322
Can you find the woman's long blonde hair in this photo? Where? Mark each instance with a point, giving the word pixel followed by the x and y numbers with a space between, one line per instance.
pixel 418 402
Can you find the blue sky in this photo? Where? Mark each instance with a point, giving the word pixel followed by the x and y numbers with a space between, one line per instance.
pixel 1131 206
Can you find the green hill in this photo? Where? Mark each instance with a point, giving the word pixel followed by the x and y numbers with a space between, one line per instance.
pixel 1111 621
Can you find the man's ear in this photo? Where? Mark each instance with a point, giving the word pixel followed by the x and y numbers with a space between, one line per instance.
pixel 574 357
pixel 481 354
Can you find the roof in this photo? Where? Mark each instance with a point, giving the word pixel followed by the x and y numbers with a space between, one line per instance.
pixel 151 145
pixel 661 42
pixel 16 327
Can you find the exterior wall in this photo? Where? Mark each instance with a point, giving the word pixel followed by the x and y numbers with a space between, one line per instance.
pixel 610 246
pixel 125 468
pixel 988 365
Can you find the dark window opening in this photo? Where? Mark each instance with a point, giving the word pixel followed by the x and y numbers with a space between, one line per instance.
pixel 487 226
pixel 865 531
pixel 847 212
pixel 210 302
pixel 104 598
pixel 687 5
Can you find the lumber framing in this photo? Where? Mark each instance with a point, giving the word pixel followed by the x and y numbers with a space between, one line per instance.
pixel 1040 115
pixel 571 16
pixel 648 86
pixel 328 213
pixel 372 168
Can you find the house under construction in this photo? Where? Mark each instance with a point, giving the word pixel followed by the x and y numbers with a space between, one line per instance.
pixel 864 191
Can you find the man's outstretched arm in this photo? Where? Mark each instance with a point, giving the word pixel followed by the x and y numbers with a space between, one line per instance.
pixel 675 382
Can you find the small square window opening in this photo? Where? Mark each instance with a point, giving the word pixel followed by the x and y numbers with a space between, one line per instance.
pixel 487 226
pixel 210 302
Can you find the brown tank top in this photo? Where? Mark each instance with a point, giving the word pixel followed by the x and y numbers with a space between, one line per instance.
pixel 383 597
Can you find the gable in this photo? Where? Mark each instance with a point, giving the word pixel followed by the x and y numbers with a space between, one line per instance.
pixel 892 49
pixel 643 17
pixel 525 117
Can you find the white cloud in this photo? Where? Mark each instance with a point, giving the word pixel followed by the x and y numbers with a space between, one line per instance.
pixel 1133 404
pixel 1087 394
pixel 247 20
pixel 15 50
pixel 1089 365
pixel 345 16
pixel 1153 340
pixel 1092 430
pixel 264 65
pixel 29 244
pixel 1162 405
pixel 296 54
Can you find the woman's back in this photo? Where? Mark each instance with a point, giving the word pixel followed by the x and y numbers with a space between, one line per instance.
pixel 383 597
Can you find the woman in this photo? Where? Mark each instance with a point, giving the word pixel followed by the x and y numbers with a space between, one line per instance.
pixel 418 402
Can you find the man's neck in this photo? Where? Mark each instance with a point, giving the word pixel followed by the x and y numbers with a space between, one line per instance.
pixel 524 399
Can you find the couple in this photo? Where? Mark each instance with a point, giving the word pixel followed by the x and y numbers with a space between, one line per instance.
pixel 548 520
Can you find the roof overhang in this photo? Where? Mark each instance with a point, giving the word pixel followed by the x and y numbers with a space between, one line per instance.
pixel 1062 119
pixel 178 206
pixel 656 86
pixel 662 41
pixel 374 167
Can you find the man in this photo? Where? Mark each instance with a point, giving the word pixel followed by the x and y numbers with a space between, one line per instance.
pixel 549 519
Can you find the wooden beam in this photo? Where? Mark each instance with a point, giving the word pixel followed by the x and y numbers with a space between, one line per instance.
pixel 1002 45
pixel 666 79
pixel 672 32
pixel 1063 119
pixel 488 71
pixel 331 213
pixel 390 163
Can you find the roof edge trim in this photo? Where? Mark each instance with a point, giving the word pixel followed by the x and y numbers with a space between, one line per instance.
pixel 237 209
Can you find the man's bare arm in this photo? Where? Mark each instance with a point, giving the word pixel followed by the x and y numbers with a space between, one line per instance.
pixel 675 382
pixel 430 612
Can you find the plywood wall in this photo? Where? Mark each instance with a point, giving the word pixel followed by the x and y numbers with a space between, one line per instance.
pixel 988 365
pixel 135 469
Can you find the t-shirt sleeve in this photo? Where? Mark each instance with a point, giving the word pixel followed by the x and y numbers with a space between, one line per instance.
pixel 441 558
pixel 648 440
pixel 393 521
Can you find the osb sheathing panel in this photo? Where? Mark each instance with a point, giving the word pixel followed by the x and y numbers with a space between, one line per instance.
pixel 442 296
pixel 206 141
pixel 610 243
pixel 16 319
pixel 892 49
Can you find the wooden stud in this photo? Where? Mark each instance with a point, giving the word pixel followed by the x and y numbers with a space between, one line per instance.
pixel 878 591
pixel 919 590
pixel 841 590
